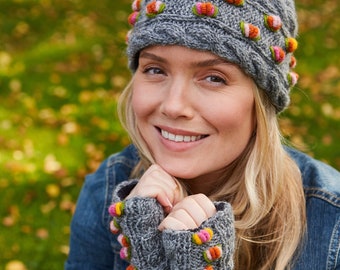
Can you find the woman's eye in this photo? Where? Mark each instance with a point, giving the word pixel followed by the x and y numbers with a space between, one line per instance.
pixel 153 71
pixel 216 79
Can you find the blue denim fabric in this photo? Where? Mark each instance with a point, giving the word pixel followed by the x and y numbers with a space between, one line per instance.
pixel 93 246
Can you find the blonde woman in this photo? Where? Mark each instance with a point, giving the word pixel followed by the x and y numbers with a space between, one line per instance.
pixel 207 183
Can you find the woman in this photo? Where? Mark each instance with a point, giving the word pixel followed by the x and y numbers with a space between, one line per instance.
pixel 207 183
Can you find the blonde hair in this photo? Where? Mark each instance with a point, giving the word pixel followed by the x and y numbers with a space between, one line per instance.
pixel 263 185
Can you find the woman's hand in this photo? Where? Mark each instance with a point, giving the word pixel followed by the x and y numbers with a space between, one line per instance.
pixel 189 213
pixel 158 184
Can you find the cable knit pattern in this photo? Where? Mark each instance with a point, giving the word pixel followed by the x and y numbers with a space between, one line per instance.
pixel 170 249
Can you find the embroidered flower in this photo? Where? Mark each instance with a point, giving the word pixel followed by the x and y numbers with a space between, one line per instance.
pixel 292 63
pixel 154 8
pixel 116 209
pixel 125 253
pixel 133 17
pixel 212 254
pixel 202 236
pixel 205 9
pixel 292 78
pixel 272 22
pixel 123 240
pixel 136 5
pixel 278 54
pixel 235 2
pixel 291 44
pixel 250 31
pixel 114 226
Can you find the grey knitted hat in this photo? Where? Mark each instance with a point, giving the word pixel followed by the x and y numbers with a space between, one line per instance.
pixel 257 35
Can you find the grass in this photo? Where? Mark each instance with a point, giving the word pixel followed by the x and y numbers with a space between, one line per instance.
pixel 62 66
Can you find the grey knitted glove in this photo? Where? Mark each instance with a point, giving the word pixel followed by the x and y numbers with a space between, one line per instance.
pixel 138 219
pixel 211 246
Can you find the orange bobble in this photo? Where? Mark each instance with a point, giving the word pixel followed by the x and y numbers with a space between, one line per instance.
pixel 291 45
pixel 212 254
pixel 250 31
pixel 235 2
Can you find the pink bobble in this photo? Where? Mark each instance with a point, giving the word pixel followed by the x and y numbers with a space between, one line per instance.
pixel 114 227
pixel 136 5
pixel 132 19
pixel 278 54
pixel 124 253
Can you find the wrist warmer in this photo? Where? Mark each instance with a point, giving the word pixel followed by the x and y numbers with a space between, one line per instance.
pixel 211 246
pixel 138 219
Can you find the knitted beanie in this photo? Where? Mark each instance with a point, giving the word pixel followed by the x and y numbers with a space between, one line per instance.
pixel 257 35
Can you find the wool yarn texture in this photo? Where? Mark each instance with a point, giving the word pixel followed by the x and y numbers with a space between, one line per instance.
pixel 257 35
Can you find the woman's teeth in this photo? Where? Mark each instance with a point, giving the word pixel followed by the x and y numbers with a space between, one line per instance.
pixel 180 138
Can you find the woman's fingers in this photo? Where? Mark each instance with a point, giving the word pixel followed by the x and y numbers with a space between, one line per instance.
pixel 189 213
pixel 158 184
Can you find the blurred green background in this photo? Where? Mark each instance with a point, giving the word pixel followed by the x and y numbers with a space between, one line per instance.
pixel 62 66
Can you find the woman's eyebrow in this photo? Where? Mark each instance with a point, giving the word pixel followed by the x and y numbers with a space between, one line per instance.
pixel 198 63
pixel 152 57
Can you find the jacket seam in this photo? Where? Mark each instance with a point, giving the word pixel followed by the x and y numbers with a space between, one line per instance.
pixel 323 195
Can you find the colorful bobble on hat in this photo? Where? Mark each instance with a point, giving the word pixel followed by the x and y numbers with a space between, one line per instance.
pixel 132 19
pixel 292 63
pixel 131 267
pixel 212 254
pixel 235 2
pixel 278 54
pixel 125 253
pixel 136 5
pixel 123 240
pixel 292 78
pixel 116 209
pixel 209 267
pixel 154 8
pixel 250 31
pixel 291 44
pixel 205 9
pixel 114 226
pixel 202 236
pixel 272 22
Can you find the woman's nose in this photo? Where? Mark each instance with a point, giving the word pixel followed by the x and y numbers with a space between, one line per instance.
pixel 177 100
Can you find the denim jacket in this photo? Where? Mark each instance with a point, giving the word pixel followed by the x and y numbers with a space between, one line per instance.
pixel 94 247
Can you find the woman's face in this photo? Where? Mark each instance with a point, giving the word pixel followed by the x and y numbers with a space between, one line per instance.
pixel 194 110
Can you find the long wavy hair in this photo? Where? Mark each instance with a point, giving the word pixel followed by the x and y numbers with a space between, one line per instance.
pixel 263 185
